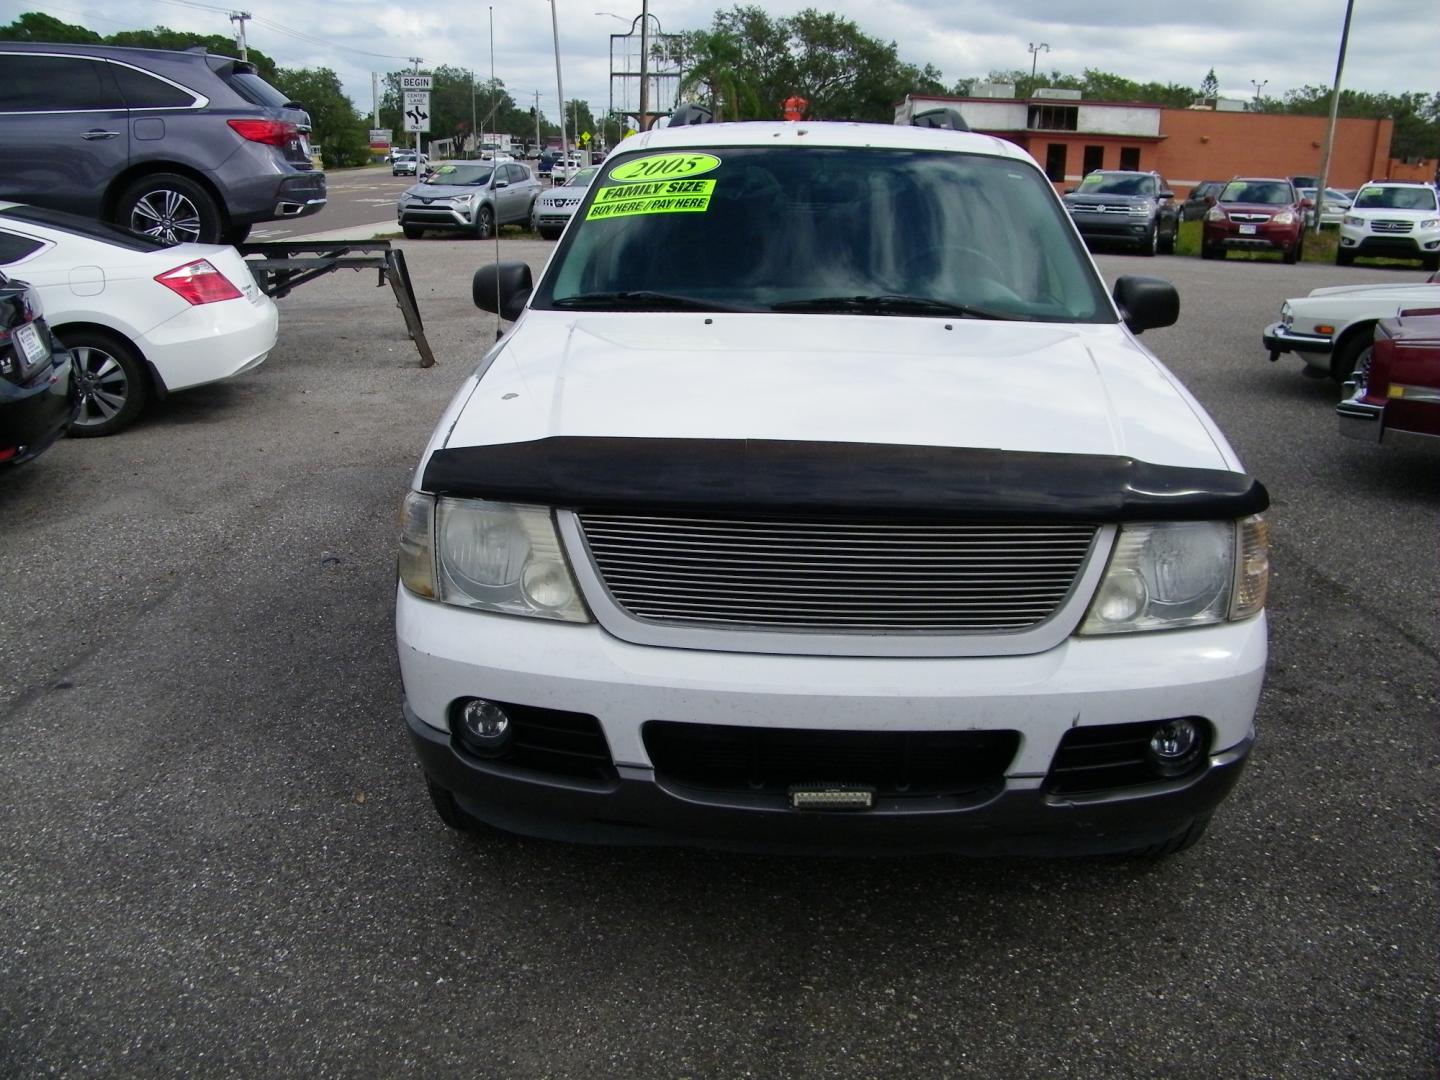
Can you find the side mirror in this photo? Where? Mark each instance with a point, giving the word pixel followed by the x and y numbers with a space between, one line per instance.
pixel 1209 200
pixel 502 183
pixel 1146 303
pixel 504 289
pixel 1307 203
pixel 1167 194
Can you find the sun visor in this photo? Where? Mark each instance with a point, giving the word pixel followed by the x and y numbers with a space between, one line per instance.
pixel 831 478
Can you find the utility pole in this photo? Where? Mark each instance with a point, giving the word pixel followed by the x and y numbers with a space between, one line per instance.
pixel 1035 51
pixel 559 86
pixel 375 98
pixel 474 135
pixel 539 146
pixel 1259 85
pixel 645 65
pixel 1324 177
pixel 238 18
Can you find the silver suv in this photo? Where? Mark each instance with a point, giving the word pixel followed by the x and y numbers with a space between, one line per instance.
pixel 470 196
pixel 185 146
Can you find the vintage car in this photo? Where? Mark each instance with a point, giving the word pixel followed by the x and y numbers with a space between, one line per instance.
pixel 1331 329
pixel 1396 396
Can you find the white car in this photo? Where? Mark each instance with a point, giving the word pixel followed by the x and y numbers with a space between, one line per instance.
pixel 141 319
pixel 1333 209
pixel 821 498
pixel 1392 219
pixel 567 167
pixel 554 208
pixel 1331 329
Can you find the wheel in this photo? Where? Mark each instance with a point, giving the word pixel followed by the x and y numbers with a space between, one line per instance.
pixel 1216 252
pixel 1430 262
pixel 484 223
pixel 112 381
pixel 235 234
pixel 1186 838
pixel 174 209
pixel 412 232
pixel 1291 255
pixel 1354 352
pixel 1167 245
pixel 448 810
pixel 549 234
pixel 1343 257
pixel 1151 244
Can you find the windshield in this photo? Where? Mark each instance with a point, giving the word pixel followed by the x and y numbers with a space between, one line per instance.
pixel 1263 192
pixel 1395 198
pixel 583 177
pixel 861 230
pixel 1100 184
pixel 460 176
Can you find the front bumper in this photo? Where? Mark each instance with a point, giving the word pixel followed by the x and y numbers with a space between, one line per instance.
pixel 1263 239
pixel 448 653
pixel 636 809
pixel 1414 245
pixel 436 215
pixel 1279 338
pixel 1361 420
pixel 1135 230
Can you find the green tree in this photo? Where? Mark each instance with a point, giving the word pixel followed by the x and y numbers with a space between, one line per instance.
pixel 34 26
pixel 1210 86
pixel 335 125
pixel 162 37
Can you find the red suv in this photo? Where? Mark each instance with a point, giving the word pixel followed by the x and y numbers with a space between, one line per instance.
pixel 1255 215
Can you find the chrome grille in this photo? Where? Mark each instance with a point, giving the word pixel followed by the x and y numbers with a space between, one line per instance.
pixel 1247 218
pixel 837 576
pixel 1391 226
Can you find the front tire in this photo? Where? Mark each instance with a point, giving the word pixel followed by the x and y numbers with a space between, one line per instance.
pixel 484 223
pixel 1354 353
pixel 173 209
pixel 1343 257
pixel 1167 245
pixel 1151 243
pixel 412 232
pixel 1292 254
pixel 113 381
pixel 1430 262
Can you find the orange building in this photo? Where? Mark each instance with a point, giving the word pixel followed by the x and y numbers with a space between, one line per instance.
pixel 1071 137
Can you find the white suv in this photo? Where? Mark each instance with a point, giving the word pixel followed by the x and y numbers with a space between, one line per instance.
pixel 1392 219
pixel 821 499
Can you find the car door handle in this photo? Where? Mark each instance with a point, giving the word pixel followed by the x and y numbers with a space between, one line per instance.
pixel 97 134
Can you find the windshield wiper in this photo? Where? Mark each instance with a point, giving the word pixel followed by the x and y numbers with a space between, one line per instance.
pixel 639 300
pixel 889 302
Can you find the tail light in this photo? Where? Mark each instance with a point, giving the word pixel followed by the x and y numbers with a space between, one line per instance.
pixel 270 132
pixel 199 282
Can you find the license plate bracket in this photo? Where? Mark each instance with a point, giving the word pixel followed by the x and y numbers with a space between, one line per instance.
pixel 1247 230
pixel 34 349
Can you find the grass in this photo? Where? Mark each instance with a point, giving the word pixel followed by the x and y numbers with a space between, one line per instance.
pixel 1318 248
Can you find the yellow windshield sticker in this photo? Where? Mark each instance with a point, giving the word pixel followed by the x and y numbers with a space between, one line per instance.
pixel 660 197
pixel 664 167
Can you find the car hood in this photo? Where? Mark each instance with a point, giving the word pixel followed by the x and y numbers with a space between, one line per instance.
pixel 1420 290
pixel 1081 201
pixel 442 191
pixel 1045 387
pixel 1255 208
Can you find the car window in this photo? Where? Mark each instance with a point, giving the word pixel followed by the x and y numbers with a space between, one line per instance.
pixel 461 175
pixel 515 174
pixel 142 91
pixel 14 247
pixel 1102 184
pixel 1262 192
pixel 256 90
pixel 1395 198
pixel 34 83
pixel 82 226
pixel 750 228
pixel 583 177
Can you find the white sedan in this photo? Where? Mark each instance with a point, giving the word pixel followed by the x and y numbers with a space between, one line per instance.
pixel 141 319
pixel 1331 329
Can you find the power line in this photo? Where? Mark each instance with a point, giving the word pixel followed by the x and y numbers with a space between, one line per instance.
pixel 281 28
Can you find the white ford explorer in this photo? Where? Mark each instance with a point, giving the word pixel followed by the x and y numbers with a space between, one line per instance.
pixel 821 499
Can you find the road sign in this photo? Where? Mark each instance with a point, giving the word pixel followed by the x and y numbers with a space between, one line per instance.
pixel 417 110
pixel 415 82
pixel 380 138
pixel 585 139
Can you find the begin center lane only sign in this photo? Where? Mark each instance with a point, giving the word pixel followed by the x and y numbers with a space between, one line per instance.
pixel 416 82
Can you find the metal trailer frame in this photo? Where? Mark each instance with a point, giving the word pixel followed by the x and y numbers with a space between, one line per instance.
pixel 279 266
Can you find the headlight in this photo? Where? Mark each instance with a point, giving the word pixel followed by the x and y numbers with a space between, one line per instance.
pixel 1140 209
pixel 1284 217
pixel 486 555
pixel 1170 574
pixel 1433 223
pixel 1215 214
pixel 1351 219
pixel 1286 315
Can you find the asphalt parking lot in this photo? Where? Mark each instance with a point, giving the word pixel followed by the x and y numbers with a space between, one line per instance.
pixel 217 857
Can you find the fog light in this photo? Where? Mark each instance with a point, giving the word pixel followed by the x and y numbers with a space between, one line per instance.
pixel 1174 746
pixel 484 727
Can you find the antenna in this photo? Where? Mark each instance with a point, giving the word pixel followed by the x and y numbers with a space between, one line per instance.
pixel 495 165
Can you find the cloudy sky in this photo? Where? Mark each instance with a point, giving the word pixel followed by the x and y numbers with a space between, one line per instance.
pixel 1394 44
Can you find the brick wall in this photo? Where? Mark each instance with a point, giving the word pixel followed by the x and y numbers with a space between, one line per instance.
pixel 1203 145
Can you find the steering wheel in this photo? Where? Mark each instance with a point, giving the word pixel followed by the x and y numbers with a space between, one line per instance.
pixel 987 271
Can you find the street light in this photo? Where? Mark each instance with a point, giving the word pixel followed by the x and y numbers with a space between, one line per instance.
pixel 559 86
pixel 643 19
pixel 1259 85
pixel 1035 51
